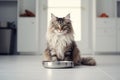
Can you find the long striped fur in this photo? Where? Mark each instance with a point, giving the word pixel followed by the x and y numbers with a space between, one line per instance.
pixel 60 42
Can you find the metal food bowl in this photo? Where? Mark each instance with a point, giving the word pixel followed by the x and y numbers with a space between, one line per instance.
pixel 58 64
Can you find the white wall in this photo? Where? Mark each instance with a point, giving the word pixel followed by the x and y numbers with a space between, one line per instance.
pixel 29 6
pixel 108 9
pixel 8 11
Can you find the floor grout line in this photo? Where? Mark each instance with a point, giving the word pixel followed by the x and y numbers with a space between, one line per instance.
pixel 111 78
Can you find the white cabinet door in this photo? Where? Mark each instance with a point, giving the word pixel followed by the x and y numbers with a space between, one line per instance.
pixel 106 44
pixel 106 6
pixel 27 35
pixel 106 35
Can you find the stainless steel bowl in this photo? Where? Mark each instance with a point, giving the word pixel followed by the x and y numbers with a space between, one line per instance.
pixel 58 64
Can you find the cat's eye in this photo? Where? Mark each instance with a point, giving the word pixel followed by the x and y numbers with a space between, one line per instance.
pixel 65 27
pixel 68 22
pixel 56 27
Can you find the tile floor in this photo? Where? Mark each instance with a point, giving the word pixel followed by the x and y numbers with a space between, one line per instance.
pixel 30 68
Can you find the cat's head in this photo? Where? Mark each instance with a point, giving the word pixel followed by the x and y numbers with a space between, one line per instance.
pixel 61 26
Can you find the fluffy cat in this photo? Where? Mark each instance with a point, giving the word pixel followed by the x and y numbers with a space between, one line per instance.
pixel 60 43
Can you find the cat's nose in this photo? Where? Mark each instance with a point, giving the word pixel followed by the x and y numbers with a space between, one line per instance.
pixel 59 30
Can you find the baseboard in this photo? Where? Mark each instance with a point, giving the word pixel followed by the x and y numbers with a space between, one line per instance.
pixel 107 53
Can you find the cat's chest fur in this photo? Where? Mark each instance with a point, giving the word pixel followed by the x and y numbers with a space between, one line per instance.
pixel 59 42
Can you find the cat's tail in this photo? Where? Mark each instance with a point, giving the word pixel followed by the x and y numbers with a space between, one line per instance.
pixel 88 61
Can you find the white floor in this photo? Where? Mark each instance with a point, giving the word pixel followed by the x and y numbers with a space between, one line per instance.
pixel 30 68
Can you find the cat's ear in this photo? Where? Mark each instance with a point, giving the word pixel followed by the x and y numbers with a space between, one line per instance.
pixel 67 16
pixel 53 16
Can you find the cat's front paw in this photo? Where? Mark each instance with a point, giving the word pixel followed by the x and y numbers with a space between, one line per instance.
pixel 54 58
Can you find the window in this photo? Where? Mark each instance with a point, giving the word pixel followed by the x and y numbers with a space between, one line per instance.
pixel 61 8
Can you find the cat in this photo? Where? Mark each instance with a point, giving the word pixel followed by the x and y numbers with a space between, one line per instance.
pixel 61 45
